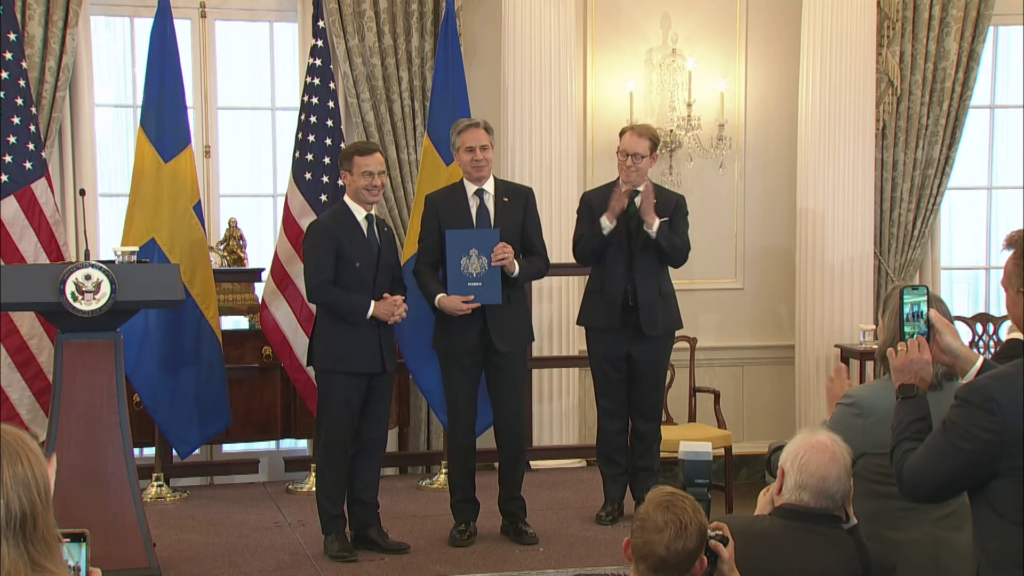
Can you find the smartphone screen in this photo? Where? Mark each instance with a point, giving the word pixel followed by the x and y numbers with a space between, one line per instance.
pixel 915 312
pixel 76 551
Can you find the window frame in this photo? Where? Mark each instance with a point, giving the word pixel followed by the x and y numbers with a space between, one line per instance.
pixel 992 34
pixel 206 135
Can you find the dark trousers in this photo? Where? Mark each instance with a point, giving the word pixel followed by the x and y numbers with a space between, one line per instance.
pixel 506 375
pixel 629 370
pixel 351 438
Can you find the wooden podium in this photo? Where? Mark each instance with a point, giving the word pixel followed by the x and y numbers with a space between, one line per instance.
pixel 97 487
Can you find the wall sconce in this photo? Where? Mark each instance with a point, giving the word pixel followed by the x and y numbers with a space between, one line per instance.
pixel 681 128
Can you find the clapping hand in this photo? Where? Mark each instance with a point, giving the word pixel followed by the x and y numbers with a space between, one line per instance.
pixel 837 385
pixel 617 201
pixel 647 201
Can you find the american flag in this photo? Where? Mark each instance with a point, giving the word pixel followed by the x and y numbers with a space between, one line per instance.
pixel 285 314
pixel 31 232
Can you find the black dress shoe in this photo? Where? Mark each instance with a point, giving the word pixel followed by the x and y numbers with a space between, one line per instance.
pixel 610 513
pixel 519 532
pixel 338 548
pixel 377 540
pixel 463 535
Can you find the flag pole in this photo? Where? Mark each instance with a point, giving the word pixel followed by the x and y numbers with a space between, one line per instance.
pixel 308 484
pixel 158 490
pixel 438 481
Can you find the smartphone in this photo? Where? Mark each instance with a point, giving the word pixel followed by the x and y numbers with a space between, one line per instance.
pixel 76 551
pixel 914 304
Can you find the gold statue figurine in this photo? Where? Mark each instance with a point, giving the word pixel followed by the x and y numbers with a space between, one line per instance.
pixel 232 246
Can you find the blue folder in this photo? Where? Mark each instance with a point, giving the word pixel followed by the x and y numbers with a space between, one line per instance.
pixel 468 264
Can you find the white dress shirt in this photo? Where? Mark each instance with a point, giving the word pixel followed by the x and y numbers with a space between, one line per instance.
pixel 360 214
pixel 474 203
pixel 607 225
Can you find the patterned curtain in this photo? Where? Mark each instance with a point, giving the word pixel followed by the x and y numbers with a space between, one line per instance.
pixel 384 57
pixel 49 30
pixel 928 55
pixel 383 53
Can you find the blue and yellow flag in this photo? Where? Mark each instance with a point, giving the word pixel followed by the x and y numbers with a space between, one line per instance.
pixel 174 358
pixel 449 101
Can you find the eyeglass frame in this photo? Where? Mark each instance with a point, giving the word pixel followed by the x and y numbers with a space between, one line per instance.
pixel 632 157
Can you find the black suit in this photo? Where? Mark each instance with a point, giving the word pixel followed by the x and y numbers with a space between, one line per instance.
pixel 354 360
pixel 798 541
pixel 493 341
pixel 631 314
pixel 977 449
pixel 1012 349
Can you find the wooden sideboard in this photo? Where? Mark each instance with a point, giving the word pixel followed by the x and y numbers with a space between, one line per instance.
pixel 264 404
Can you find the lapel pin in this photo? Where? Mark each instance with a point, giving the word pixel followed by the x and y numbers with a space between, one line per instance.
pixel 504 199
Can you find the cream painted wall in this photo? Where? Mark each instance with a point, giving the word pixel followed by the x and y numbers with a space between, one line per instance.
pixel 746 333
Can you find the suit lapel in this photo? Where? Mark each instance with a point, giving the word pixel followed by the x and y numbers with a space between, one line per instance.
pixel 501 205
pixel 352 231
pixel 460 206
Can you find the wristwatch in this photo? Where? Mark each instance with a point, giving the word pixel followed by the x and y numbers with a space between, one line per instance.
pixel 906 391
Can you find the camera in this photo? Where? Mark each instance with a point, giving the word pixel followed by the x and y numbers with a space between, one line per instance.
pixel 711 555
pixel 695 461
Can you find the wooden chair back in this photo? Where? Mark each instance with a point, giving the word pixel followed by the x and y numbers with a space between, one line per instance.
pixel 985 332
pixel 691 394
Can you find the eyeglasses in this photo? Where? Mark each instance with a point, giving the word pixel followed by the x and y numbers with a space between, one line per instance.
pixel 636 158
pixel 368 176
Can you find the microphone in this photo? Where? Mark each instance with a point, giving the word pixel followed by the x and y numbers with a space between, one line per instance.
pixel 85 230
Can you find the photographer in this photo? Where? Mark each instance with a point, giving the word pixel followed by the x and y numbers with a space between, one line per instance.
pixel 804 522
pixel 669 531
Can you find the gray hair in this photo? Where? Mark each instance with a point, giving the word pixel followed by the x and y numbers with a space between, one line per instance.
pixel 464 124
pixel 818 468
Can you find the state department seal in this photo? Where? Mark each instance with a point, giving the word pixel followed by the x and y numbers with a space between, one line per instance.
pixel 87 289
pixel 473 264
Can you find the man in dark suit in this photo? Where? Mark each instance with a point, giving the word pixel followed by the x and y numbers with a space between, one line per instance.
pixel 979 448
pixel 473 340
pixel 804 523
pixel 354 278
pixel 630 232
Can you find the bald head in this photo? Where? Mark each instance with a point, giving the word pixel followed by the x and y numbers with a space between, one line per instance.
pixel 816 470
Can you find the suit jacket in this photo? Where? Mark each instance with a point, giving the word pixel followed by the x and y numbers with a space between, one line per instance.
pixel 1012 349
pixel 922 539
pixel 515 214
pixel 978 449
pixel 610 259
pixel 798 541
pixel 339 282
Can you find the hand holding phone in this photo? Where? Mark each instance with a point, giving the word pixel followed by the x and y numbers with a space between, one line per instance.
pixel 75 544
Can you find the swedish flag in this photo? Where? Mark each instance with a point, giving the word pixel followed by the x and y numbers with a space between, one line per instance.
pixel 449 101
pixel 174 358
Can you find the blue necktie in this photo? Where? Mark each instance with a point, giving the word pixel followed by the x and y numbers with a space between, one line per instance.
pixel 371 236
pixel 483 215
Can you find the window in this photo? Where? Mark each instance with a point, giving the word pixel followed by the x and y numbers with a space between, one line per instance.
pixel 253 102
pixel 985 196
pixel 250 110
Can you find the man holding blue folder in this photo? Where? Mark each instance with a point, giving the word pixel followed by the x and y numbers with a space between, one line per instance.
pixel 474 338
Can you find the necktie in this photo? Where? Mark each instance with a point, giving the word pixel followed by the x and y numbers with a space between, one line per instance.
pixel 483 215
pixel 371 237
pixel 631 207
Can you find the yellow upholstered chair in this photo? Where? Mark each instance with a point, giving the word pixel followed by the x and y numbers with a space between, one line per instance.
pixel 672 433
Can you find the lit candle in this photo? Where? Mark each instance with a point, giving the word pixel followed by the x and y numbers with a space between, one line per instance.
pixel 630 86
pixel 721 101
pixel 690 63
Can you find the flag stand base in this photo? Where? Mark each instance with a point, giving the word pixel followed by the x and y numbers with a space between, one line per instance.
pixel 159 491
pixel 305 486
pixel 436 482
